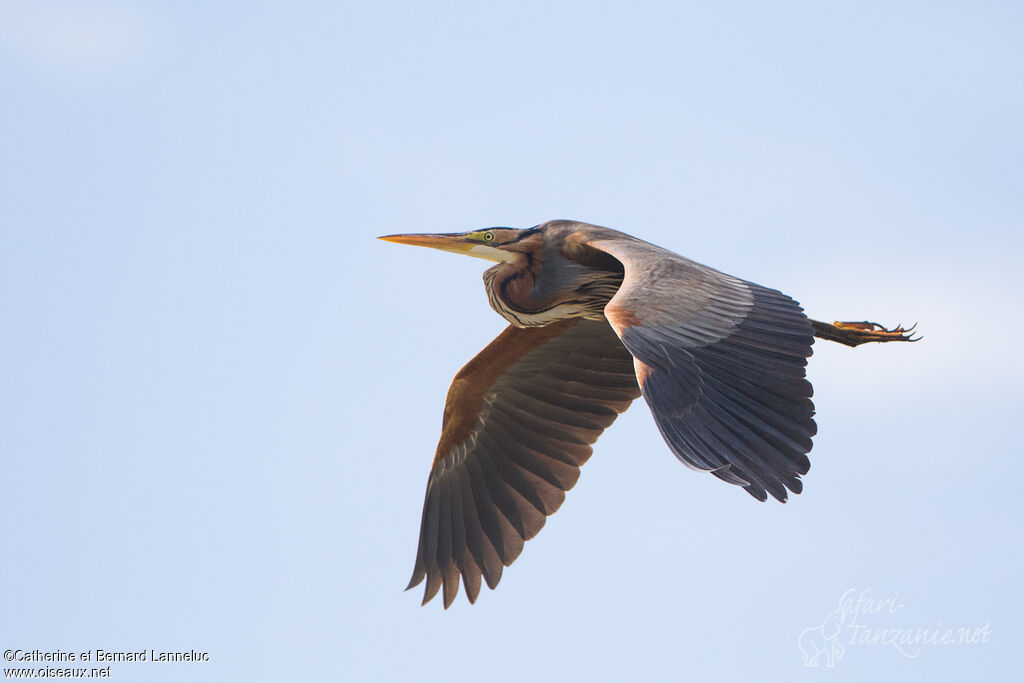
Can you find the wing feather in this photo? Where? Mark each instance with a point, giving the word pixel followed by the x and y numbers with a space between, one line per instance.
pixel 520 419
pixel 475 564
pixel 721 363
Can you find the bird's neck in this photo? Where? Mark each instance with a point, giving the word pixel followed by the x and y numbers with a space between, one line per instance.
pixel 535 291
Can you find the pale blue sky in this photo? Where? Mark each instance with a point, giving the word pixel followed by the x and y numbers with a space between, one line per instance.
pixel 220 394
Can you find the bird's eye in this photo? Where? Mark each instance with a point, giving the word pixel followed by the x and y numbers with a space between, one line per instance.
pixel 488 237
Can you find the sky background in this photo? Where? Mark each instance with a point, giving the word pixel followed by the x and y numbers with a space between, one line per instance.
pixel 220 395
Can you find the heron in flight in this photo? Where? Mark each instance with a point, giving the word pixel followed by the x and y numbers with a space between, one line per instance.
pixel 598 318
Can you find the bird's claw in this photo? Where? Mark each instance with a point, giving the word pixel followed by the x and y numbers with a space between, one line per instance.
pixel 864 331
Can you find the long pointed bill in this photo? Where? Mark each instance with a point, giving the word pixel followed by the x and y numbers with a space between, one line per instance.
pixel 458 243
pixel 455 243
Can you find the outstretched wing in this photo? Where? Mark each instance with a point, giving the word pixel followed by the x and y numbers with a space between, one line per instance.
pixel 518 424
pixel 721 363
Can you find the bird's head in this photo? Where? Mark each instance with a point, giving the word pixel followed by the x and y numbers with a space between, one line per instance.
pixel 501 245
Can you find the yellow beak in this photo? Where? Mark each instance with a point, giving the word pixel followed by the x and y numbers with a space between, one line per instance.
pixel 455 243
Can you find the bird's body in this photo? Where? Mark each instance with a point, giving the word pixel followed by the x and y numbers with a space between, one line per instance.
pixel 598 318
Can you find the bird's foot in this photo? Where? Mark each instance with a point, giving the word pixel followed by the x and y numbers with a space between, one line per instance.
pixel 856 333
pixel 868 331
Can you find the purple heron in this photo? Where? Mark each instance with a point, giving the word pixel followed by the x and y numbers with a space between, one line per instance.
pixel 599 318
